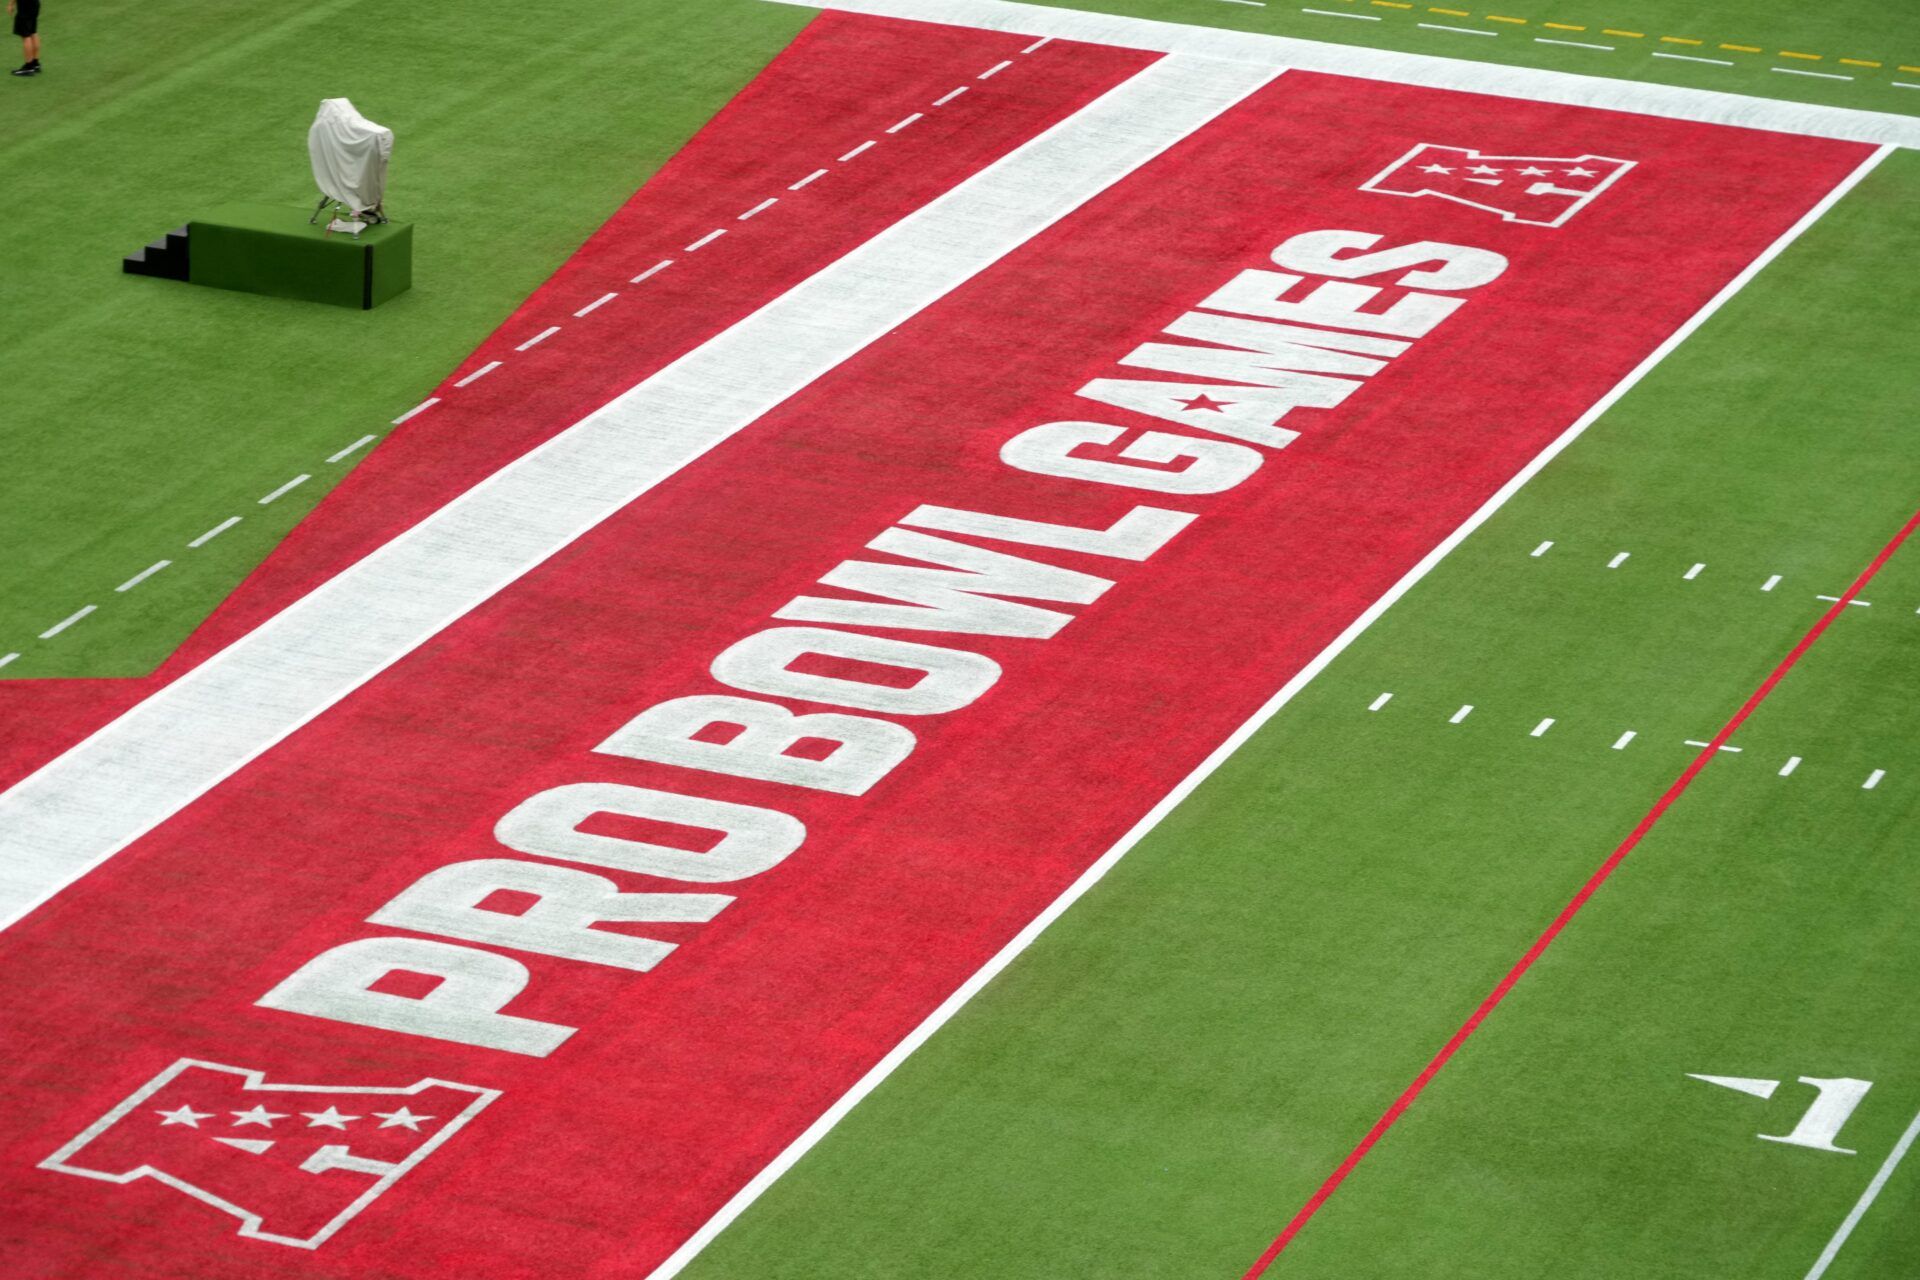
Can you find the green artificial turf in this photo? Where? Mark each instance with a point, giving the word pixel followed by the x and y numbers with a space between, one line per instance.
pixel 1517 32
pixel 1164 1078
pixel 140 413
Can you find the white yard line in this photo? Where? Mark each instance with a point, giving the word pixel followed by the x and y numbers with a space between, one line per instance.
pixel 1540 730
pixel 1687 57
pixel 1043 40
pixel 899 125
pixel 286 488
pixel 1620 743
pixel 1736 750
pixel 595 305
pixel 664 263
pixel 67 621
pixel 1460 31
pixel 762 207
pixel 1692 573
pixel 943 100
pixel 166 752
pixel 143 575
pixel 5 658
pixel 706 239
pixel 350 449
pixel 1535 84
pixel 539 337
pixel 856 151
pixel 1618 560
pixel 1864 604
pixel 1461 714
pixel 993 70
pixel 1873 779
pixel 480 373
pixel 1380 702
pixel 1574 44
pixel 1541 550
pixel 1793 762
pixel 1865 1202
pixel 1770 583
pixel 1334 13
pixel 803 182
pixel 215 532
pixel 1817 75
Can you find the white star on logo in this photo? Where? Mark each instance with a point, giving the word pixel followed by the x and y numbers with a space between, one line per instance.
pixel 1435 168
pixel 259 1115
pixel 1580 173
pixel 1536 173
pixel 401 1117
pixel 328 1119
pixel 1482 168
pixel 183 1115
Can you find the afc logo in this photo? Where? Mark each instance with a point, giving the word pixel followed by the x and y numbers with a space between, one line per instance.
pixel 293 1162
pixel 1539 191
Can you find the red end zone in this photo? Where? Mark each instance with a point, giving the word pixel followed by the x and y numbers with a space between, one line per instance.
pixel 1055 717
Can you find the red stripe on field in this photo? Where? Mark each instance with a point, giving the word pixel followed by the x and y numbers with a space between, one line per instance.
pixel 1572 909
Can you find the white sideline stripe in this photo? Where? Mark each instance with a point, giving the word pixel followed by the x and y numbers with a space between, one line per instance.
pixel 589 309
pixel 1574 44
pixel 213 533
pixel 1873 779
pixel 1380 702
pixel 539 337
pixel 1036 44
pixel 856 151
pixel 163 754
pixel 943 100
pixel 796 186
pixel 766 204
pixel 143 575
pixel 67 621
pixel 1461 714
pixel 664 263
pixel 478 374
pixel 995 69
pixel 1106 862
pixel 1618 560
pixel 1620 743
pixel 1540 729
pixel 706 239
pixel 1459 31
pixel 1866 1200
pixel 431 401
pixel 1793 762
pixel 1687 57
pixel 5 658
pixel 1817 75
pixel 1541 550
pixel 895 128
pixel 335 457
pixel 286 488
pixel 1770 583
pixel 1692 573
pixel 1712 106
pixel 1334 13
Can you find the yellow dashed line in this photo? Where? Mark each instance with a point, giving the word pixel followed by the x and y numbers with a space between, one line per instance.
pixel 1634 35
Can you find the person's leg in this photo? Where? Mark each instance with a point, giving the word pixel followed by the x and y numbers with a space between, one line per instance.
pixel 33 48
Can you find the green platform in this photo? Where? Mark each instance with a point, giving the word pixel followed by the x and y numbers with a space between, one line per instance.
pixel 272 249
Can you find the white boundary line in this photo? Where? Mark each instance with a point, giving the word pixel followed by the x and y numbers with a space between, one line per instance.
pixel 799 1147
pixel 1866 1200
pixel 1712 106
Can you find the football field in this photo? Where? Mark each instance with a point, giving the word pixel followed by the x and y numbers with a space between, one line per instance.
pixel 956 638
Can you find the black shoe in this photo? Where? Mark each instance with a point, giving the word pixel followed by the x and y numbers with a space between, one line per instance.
pixel 28 69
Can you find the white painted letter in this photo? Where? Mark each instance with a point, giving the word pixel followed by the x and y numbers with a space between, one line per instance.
pixel 1048 450
pixel 1134 536
pixel 548 825
pixel 464 1008
pixel 559 923
pixel 949 678
pixel 1460 267
pixel 864 750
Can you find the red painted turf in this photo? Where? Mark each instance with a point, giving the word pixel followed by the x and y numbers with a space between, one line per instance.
pixel 1573 908
pixel 685 1081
